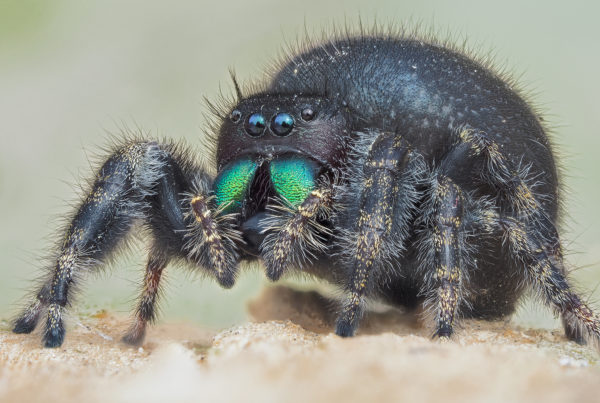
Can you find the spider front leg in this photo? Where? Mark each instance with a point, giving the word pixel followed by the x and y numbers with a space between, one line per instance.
pixel 141 181
pixel 117 199
pixel 387 186
pixel 442 250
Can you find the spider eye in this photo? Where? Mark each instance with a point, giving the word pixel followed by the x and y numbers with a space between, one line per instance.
pixel 282 124
pixel 255 125
pixel 307 114
pixel 235 116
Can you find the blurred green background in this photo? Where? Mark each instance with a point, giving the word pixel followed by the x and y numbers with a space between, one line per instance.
pixel 71 71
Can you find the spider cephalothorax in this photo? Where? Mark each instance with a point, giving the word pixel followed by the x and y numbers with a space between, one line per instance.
pixel 396 168
pixel 276 147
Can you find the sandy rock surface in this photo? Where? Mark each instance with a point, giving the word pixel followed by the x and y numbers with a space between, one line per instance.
pixel 289 354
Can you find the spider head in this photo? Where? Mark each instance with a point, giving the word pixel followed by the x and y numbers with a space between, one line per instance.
pixel 265 127
pixel 275 147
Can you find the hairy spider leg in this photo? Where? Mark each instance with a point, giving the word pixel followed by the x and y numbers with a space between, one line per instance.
pixel 175 233
pixel 173 229
pixel 140 181
pixel 532 237
pixel 442 250
pixel 294 233
pixel 104 218
pixel 146 309
pixel 168 226
pixel 546 273
pixel 387 202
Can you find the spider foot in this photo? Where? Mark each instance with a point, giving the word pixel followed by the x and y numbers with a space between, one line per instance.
pixel 572 331
pixel 345 328
pixel 348 322
pixel 54 335
pixel 27 322
pixel 24 325
pixel 136 334
pixel 443 332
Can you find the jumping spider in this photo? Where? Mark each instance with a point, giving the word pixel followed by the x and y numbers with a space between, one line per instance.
pixel 394 167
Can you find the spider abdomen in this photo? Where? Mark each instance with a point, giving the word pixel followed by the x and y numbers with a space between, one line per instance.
pixel 426 92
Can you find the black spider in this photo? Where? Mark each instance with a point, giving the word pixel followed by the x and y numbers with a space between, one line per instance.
pixel 395 167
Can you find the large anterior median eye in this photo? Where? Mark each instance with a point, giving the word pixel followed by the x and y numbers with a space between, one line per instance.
pixel 255 125
pixel 293 178
pixel 233 181
pixel 282 124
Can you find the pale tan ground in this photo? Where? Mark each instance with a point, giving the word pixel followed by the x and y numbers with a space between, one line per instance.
pixel 288 354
